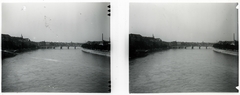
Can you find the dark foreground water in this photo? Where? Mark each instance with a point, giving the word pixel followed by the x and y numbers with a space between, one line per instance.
pixel 184 70
pixel 56 70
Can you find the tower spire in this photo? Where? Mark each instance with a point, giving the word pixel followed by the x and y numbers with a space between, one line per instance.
pixel 102 36
pixel 233 36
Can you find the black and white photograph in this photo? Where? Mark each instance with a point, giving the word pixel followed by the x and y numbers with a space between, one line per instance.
pixel 183 47
pixel 56 47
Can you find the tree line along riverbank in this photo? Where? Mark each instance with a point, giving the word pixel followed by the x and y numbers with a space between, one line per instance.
pixel 140 46
pixel 227 45
pixel 11 45
pixel 97 45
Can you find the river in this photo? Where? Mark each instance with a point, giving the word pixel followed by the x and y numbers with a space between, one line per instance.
pixel 184 70
pixel 56 70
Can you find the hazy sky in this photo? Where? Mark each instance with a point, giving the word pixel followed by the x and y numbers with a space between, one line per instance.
pixel 64 22
pixel 184 21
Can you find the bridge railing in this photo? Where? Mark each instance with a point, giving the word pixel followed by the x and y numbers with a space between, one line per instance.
pixel 53 47
pixel 185 47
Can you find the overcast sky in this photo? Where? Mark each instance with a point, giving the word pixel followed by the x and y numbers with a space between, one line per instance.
pixel 188 22
pixel 64 22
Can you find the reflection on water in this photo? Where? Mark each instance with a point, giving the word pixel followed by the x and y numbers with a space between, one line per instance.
pixel 184 70
pixel 56 70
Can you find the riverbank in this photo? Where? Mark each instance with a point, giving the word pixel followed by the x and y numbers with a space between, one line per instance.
pixel 97 52
pixel 228 52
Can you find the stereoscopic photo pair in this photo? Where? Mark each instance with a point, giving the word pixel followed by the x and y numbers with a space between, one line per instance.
pixel 173 47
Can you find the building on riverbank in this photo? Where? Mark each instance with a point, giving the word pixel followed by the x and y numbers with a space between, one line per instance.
pixel 16 43
pixel 140 45
pixel 11 45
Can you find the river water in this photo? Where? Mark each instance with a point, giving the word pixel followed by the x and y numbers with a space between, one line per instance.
pixel 184 70
pixel 56 70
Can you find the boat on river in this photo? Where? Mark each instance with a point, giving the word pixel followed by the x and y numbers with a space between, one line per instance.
pixel 7 53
